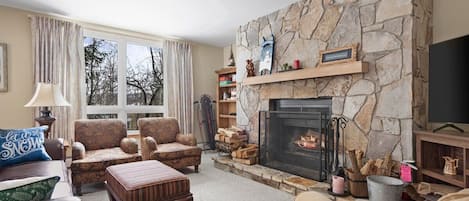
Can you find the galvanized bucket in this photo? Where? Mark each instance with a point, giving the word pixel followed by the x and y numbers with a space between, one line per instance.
pixel 383 188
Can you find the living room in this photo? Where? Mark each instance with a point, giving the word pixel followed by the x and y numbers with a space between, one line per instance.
pixel 234 100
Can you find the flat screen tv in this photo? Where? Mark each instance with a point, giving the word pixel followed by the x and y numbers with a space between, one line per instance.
pixel 449 81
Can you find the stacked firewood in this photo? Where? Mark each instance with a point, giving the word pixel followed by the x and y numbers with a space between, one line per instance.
pixel 360 170
pixel 230 139
pixel 246 155
pixel 384 167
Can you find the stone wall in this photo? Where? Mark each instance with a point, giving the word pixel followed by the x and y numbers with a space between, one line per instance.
pixel 382 104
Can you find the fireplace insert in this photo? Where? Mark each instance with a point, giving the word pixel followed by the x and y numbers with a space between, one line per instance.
pixel 295 136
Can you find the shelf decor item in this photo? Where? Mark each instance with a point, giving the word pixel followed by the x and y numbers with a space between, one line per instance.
pixel 267 56
pixel 451 164
pixel 3 68
pixel 250 68
pixel 231 60
pixel 338 55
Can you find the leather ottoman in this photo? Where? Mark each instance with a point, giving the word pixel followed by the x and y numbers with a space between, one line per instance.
pixel 146 181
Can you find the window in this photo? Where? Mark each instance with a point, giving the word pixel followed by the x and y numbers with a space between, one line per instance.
pixel 125 78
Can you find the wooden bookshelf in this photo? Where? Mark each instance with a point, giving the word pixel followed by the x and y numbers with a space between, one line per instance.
pixel 431 147
pixel 226 107
pixel 307 73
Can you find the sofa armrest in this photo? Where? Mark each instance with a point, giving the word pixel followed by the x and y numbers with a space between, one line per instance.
pixel 78 151
pixel 149 145
pixel 129 145
pixel 186 139
pixel 55 148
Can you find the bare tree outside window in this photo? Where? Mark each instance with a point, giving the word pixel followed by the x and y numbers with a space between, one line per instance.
pixel 101 71
pixel 144 75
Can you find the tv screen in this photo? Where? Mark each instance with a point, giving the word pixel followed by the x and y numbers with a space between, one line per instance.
pixel 449 81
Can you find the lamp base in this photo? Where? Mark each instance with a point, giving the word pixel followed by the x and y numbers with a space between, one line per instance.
pixel 45 120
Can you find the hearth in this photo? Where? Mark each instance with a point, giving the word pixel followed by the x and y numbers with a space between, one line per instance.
pixel 295 136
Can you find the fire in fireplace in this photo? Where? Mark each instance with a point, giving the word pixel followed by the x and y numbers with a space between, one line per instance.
pixel 294 136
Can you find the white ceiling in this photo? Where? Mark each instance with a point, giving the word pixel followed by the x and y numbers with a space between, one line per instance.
pixel 211 22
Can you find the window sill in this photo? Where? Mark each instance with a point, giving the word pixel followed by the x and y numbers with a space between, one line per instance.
pixel 133 133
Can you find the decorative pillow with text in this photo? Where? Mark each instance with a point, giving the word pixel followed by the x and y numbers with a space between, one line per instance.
pixel 22 145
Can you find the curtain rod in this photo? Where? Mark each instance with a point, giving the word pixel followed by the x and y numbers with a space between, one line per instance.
pixel 104 28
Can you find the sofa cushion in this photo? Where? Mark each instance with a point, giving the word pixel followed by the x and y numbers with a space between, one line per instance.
pixel 176 150
pixel 164 130
pixel 28 189
pixel 22 145
pixel 101 159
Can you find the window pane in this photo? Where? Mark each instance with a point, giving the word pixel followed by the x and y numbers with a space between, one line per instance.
pixel 101 71
pixel 133 117
pixel 144 75
pixel 102 116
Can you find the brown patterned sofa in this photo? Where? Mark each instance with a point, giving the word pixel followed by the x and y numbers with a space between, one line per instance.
pixel 98 145
pixel 54 167
pixel 161 140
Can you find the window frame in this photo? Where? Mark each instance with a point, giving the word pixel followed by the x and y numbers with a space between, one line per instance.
pixel 122 109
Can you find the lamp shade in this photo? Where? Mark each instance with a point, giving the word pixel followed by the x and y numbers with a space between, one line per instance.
pixel 47 95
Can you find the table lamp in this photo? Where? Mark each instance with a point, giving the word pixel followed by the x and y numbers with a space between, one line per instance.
pixel 47 95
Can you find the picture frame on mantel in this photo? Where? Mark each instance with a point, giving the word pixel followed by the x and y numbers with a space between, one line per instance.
pixel 267 56
pixel 3 68
pixel 338 55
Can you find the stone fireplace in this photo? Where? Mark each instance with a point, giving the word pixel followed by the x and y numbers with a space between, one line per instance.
pixel 294 136
pixel 384 105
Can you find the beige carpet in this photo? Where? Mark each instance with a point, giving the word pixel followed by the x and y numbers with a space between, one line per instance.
pixel 210 184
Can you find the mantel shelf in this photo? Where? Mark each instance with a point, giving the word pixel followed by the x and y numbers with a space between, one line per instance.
pixel 308 73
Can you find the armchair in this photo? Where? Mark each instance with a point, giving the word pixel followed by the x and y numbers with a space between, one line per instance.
pixel 98 145
pixel 161 140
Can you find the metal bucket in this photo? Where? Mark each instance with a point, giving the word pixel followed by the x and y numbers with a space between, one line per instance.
pixel 383 188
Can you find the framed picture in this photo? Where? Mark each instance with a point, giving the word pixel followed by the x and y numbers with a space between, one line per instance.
pixel 3 68
pixel 267 55
pixel 338 55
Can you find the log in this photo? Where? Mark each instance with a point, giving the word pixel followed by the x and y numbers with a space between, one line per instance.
pixel 248 161
pixel 353 160
pixel 359 154
pixel 227 132
pixel 219 137
pixel 248 152
pixel 368 168
pixel 235 139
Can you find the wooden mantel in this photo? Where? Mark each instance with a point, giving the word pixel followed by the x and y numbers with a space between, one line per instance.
pixel 308 73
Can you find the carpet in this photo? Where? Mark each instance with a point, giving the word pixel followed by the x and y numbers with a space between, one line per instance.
pixel 210 184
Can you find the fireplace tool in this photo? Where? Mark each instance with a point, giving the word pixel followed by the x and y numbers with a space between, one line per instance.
pixel 207 121
pixel 339 123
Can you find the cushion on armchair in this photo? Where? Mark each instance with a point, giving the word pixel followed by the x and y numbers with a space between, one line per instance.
pixel 22 145
pixel 97 160
pixel 186 139
pixel 171 151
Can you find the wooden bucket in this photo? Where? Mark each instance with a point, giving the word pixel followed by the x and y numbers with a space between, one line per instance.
pixel 357 185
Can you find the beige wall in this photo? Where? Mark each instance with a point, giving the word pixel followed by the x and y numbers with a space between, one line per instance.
pixel 227 52
pixel 450 19
pixel 16 32
pixel 206 60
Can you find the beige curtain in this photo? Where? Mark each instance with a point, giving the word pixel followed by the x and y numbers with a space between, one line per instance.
pixel 58 58
pixel 177 59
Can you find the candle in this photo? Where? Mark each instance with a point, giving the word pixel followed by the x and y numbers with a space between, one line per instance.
pixel 338 185
pixel 296 64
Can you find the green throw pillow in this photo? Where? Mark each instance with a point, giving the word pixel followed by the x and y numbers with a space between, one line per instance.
pixel 29 189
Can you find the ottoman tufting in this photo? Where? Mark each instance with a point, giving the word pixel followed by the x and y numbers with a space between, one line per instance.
pixel 146 181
